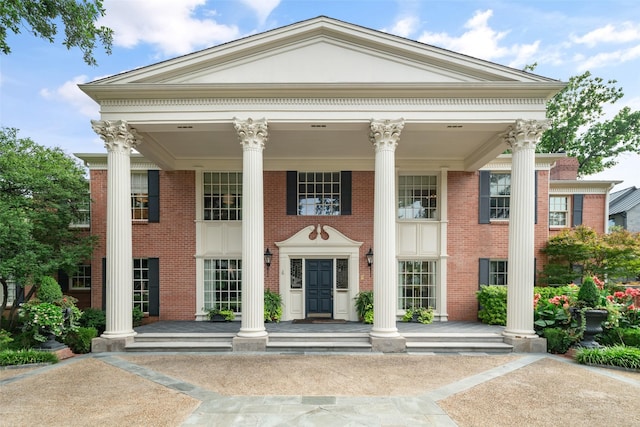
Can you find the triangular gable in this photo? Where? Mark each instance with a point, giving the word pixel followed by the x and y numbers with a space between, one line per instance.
pixel 322 50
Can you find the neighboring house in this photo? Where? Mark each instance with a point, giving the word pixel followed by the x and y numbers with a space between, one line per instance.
pixel 624 209
pixel 322 142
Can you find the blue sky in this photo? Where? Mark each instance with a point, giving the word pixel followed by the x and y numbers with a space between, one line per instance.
pixel 39 96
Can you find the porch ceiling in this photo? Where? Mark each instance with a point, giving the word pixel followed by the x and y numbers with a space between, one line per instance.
pixel 457 146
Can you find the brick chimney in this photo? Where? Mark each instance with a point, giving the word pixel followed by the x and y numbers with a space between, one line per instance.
pixel 565 169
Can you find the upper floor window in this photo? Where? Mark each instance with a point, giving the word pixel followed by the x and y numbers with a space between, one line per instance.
pixel 559 211
pixel 222 196
pixel 417 197
pixel 500 192
pixel 83 209
pixel 139 195
pixel 318 193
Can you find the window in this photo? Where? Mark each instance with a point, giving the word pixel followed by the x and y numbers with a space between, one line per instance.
pixel 417 284
pixel 318 193
pixel 11 292
pixel 141 284
pixel 342 274
pixel 81 279
pixel 84 213
pixel 222 196
pixel 223 284
pixel 497 272
pixel 500 191
pixel 559 211
pixel 139 196
pixel 417 197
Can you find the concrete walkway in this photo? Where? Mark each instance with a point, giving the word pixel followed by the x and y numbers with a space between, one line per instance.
pixel 198 389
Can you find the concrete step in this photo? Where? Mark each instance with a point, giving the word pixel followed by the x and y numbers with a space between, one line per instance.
pixel 458 347
pixel 360 337
pixel 453 337
pixel 318 346
pixel 181 336
pixel 205 346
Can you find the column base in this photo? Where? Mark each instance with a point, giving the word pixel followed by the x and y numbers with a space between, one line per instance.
pixel 105 345
pixel 389 345
pixel 250 344
pixel 533 344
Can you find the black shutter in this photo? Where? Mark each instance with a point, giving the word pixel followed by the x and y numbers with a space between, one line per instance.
pixel 484 201
pixel 153 180
pixel 104 283
pixel 19 298
pixel 154 286
pixel 483 272
pixel 63 281
pixel 535 272
pixel 536 198
pixel 345 193
pixel 576 217
pixel 292 193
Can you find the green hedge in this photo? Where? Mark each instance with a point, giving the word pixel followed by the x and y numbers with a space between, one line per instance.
pixel 620 356
pixel 493 304
pixel 80 341
pixel 629 337
pixel 26 356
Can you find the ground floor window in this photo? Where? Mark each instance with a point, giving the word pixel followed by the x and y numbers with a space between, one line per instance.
pixel 141 284
pixel 498 272
pixel 223 284
pixel 81 279
pixel 417 284
pixel 11 292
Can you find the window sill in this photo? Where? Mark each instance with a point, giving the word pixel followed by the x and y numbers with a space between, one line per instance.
pixel 79 290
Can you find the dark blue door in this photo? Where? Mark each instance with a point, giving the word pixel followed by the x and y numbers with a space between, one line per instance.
pixel 319 287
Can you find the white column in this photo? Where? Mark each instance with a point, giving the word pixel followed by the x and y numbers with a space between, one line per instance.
pixel 444 245
pixel 522 138
pixel 384 136
pixel 252 135
pixel 119 140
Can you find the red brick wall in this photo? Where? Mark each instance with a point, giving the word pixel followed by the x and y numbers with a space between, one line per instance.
pixel 172 240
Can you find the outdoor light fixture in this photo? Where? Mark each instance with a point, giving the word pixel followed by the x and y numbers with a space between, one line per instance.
pixel 370 259
pixel 267 257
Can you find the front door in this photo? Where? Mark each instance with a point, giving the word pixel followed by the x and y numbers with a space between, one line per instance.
pixel 319 287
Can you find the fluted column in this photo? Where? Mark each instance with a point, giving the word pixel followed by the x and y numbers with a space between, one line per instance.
pixel 119 140
pixel 253 136
pixel 384 136
pixel 522 138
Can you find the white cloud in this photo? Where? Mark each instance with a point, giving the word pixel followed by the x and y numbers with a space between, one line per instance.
pixel 262 8
pixel 605 59
pixel 168 25
pixel 69 93
pixel 482 41
pixel 404 27
pixel 623 33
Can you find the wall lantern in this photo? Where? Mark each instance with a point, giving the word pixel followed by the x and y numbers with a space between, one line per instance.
pixel 370 259
pixel 267 257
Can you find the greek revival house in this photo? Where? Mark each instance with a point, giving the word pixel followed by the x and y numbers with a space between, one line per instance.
pixel 354 159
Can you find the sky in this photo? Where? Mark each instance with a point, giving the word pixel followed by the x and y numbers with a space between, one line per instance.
pixel 38 80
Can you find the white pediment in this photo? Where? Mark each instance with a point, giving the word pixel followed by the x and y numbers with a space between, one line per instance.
pixel 318 236
pixel 322 50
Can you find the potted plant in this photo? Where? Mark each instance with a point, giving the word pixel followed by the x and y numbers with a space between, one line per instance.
pixel 364 306
pixel 418 314
pixel 590 312
pixel 272 306
pixel 220 315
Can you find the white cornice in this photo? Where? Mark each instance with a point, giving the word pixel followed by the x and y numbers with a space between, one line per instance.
pixel 544 161
pixel 98 161
pixel 581 187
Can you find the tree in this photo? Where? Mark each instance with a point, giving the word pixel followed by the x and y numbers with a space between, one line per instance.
pixel 578 127
pixel 39 17
pixel 41 190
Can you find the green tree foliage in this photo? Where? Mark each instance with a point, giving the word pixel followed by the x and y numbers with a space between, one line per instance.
pixel 613 255
pixel 578 127
pixel 41 19
pixel 40 191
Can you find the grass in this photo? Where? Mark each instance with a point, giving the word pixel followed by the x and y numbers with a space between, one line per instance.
pixel 619 356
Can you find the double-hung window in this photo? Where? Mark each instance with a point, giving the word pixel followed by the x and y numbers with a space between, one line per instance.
pixel 141 284
pixel 139 196
pixel 500 193
pixel 81 279
pixel 11 292
pixel 222 196
pixel 223 284
pixel 559 211
pixel 497 272
pixel 417 197
pixel 318 193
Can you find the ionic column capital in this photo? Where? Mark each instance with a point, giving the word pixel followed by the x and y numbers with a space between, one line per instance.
pixel 253 134
pixel 525 133
pixel 385 134
pixel 117 135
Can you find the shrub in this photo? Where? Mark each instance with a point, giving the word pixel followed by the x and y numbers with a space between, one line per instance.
pixel 80 341
pixel 620 356
pixel 49 290
pixel 137 316
pixel 42 320
pixel 620 336
pixel 272 306
pixel 588 295
pixel 364 306
pixel 228 315
pixel 419 314
pixel 25 356
pixel 5 339
pixel 558 340
pixel 493 304
pixel 94 318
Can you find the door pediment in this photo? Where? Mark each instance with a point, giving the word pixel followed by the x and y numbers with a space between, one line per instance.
pixel 318 237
